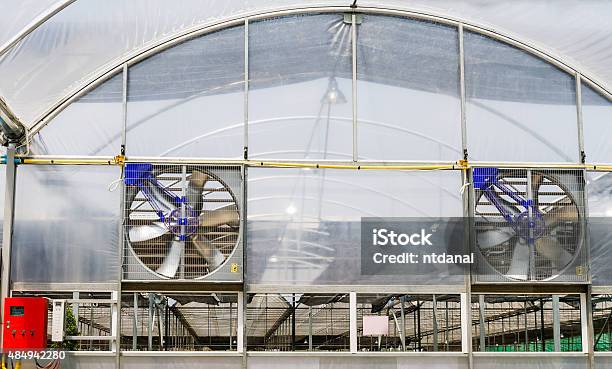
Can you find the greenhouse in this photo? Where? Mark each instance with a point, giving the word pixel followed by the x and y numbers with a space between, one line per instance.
pixel 319 184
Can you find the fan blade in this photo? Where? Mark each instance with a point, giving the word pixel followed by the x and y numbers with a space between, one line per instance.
pixel 213 256
pixel 173 260
pixel 224 215
pixel 560 214
pixel 197 180
pixel 519 266
pixel 494 237
pixel 147 232
pixel 553 251
pixel 536 182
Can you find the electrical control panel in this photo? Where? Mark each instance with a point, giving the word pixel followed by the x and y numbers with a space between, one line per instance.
pixel 25 323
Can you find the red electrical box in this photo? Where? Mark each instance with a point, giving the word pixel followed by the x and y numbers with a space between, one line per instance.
pixel 25 323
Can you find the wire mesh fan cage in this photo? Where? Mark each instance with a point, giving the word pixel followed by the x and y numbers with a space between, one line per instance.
pixel 528 225
pixel 182 222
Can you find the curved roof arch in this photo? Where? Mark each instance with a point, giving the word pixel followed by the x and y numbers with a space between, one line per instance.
pixel 35 109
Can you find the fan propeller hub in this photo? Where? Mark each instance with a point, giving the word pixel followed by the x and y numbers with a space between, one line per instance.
pixel 530 226
pixel 175 221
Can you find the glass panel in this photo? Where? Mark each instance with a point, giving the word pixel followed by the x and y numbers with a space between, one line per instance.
pixel 599 191
pixel 66 224
pixel 519 107
pixel 298 322
pixel 300 100
pixel 407 87
pixel 597 126
pixel 422 322
pixel 92 125
pixel 304 225
pixel 506 323
pixel 602 326
pixel 188 100
pixel 188 322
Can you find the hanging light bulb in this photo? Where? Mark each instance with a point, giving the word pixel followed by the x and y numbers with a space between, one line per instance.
pixel 333 95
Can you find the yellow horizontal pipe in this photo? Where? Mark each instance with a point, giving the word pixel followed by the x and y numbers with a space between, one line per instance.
pixel 460 165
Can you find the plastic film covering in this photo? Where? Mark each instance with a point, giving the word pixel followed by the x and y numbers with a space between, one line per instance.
pixel 66 224
pixel 300 100
pixel 92 125
pixel 342 362
pixel 304 225
pixel 597 126
pixel 404 68
pixel 183 362
pixel 531 362
pixel 21 13
pixel 603 362
pixel 188 100
pixel 59 56
pixel 599 191
pixel 519 108
pixel 2 194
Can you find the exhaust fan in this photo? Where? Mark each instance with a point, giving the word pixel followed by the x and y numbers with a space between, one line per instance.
pixel 529 225
pixel 181 222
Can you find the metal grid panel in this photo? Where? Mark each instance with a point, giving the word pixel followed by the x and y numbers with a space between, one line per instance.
pixel 424 322
pixel 179 322
pixel 298 322
pixel 182 222
pixel 526 323
pixel 529 225
pixel 87 318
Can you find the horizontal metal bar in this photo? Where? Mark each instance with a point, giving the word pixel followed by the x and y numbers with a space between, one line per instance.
pixel 91 301
pixel 88 338
pixel 389 289
pixel 63 287
pixel 181 353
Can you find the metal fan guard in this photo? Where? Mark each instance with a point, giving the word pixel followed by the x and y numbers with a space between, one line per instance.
pixel 132 191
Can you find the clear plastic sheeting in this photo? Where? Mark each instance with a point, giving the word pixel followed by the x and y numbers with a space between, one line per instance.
pixel 88 36
pixel 304 225
pixel 407 90
pixel 300 89
pixel 502 361
pixel 603 362
pixel 92 125
pixel 188 100
pixel 597 126
pixel 66 225
pixel 599 190
pixel 21 14
pixel 519 108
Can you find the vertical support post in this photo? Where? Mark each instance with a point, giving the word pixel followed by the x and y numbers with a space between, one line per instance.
pixel 434 302
pixel 466 325
pixel 75 306
pixel 135 324
pixel 354 68
pixel 230 325
pixel 353 321
pixel 7 235
pixel 150 324
pixel 481 321
pixel 310 328
pixel 246 89
pixel 124 106
pixel 116 343
pixel 583 323
pixel 403 318
pixel 240 326
pixel 579 121
pixel 556 323
pixel 462 92
pixel 183 216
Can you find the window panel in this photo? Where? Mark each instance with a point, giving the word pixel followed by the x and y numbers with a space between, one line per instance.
pixel 300 100
pixel 189 100
pixel 407 90
pixel 519 107
pixel 597 126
